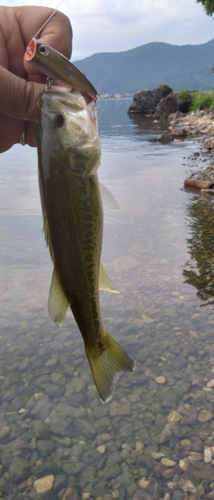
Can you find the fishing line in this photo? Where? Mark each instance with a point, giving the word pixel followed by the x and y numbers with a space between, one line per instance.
pixel 46 22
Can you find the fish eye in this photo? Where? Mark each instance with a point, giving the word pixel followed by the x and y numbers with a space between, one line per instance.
pixel 43 50
pixel 58 120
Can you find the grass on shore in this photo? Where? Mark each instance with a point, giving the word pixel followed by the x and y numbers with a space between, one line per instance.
pixel 199 100
pixel 202 100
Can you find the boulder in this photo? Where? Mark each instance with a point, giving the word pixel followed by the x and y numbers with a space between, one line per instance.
pixel 173 103
pixel 145 101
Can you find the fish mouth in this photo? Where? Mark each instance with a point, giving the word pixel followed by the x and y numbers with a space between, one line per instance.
pixel 69 102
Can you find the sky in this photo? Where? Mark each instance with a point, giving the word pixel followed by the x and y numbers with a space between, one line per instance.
pixel 120 25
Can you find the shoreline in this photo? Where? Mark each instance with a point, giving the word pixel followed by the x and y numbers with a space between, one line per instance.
pixel 199 125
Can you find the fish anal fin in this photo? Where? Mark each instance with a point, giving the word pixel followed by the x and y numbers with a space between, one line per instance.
pixel 107 364
pixel 58 304
pixel 105 282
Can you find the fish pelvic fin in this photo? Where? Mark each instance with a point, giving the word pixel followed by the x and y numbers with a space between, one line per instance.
pixel 58 304
pixel 107 198
pixel 107 364
pixel 104 281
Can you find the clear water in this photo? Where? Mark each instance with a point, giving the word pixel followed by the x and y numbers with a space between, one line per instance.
pixel 149 440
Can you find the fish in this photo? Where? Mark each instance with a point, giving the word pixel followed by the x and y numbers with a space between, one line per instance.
pixel 57 67
pixel 68 158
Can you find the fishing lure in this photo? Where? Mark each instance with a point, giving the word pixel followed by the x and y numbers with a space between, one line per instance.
pixel 56 66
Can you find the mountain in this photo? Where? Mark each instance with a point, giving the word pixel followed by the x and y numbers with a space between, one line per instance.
pixel 147 66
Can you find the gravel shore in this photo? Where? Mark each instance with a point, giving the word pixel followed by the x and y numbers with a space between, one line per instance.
pixel 198 124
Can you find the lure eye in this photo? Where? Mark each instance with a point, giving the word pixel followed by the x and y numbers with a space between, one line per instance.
pixel 58 120
pixel 43 50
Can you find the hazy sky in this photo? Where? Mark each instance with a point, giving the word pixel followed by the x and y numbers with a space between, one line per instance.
pixel 119 25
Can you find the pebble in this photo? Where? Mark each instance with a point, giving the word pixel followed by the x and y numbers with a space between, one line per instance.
pixel 189 486
pixel 168 462
pixel 165 435
pixel 208 455
pixel 184 464
pixel 174 416
pixel 44 484
pixel 204 416
pixel 160 380
pixel 85 495
pixel 139 446
pixel 4 432
pixel 101 449
pixel 143 483
pixel 210 383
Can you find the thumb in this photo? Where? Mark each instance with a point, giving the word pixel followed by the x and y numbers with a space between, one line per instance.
pixel 20 96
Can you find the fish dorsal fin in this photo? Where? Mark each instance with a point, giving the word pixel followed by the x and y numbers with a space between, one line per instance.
pixel 58 304
pixel 47 236
pixel 108 198
pixel 105 282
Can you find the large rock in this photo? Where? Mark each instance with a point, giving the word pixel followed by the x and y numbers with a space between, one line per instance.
pixel 145 101
pixel 172 103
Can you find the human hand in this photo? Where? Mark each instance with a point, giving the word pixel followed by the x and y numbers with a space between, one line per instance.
pixel 20 83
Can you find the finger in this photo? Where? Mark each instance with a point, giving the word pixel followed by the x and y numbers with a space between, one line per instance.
pixel 20 96
pixel 10 132
pixel 30 136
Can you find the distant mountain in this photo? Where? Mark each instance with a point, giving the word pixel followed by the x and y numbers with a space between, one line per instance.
pixel 186 66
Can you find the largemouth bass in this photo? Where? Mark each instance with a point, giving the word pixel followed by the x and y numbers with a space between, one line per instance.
pixel 68 158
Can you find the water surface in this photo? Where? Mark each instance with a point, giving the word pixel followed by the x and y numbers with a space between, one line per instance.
pixel 150 439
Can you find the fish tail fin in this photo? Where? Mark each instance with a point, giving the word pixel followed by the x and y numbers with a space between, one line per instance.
pixel 106 364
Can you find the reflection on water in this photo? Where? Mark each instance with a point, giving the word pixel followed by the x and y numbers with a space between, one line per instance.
pixel 199 271
pixel 155 438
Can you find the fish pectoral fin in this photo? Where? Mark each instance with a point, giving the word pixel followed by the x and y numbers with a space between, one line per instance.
pixel 47 236
pixel 107 198
pixel 107 364
pixel 105 282
pixel 58 303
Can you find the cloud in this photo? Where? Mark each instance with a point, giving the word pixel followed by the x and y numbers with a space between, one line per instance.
pixel 119 25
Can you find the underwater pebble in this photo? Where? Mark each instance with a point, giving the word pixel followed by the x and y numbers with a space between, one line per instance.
pixel 139 446
pixel 208 455
pixel 143 483
pixel 165 435
pixel 4 432
pixel 204 416
pixel 210 383
pixel 160 380
pixel 174 416
pixel 184 464
pixel 44 484
pixel 168 462
pixel 85 495
pixel 189 486
pixel 101 449
pixel 115 494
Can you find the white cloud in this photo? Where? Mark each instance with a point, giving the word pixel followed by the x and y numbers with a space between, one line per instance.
pixel 117 25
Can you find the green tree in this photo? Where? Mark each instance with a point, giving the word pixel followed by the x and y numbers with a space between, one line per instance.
pixel 208 5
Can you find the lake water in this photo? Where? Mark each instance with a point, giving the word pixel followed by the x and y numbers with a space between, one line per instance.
pixel 155 438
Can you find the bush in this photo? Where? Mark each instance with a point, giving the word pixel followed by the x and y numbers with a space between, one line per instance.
pixel 202 100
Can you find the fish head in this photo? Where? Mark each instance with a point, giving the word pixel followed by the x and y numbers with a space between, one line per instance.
pixel 70 124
